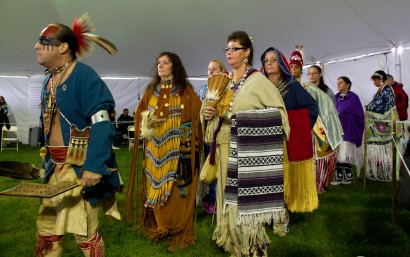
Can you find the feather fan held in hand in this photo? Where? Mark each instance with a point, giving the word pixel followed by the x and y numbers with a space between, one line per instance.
pixel 84 31
pixel 148 124
pixel 216 88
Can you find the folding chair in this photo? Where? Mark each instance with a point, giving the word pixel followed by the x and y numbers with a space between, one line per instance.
pixel 130 136
pixel 9 135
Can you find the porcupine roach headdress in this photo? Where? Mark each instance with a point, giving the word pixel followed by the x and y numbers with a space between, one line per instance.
pixel 84 31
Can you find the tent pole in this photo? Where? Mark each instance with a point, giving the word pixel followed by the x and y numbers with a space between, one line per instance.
pixel 398 66
pixel 394 172
pixel 365 150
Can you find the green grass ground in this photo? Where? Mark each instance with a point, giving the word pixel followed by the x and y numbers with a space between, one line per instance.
pixel 350 221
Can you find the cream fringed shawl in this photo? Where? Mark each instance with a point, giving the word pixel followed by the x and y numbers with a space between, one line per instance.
pixel 259 93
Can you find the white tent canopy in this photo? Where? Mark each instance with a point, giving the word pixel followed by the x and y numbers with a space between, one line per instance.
pixel 329 30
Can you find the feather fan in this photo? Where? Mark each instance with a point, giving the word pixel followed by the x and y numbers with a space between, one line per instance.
pixel 216 88
pixel 148 124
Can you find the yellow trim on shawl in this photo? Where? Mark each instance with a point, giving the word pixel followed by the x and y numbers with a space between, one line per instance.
pixel 299 188
pixel 323 148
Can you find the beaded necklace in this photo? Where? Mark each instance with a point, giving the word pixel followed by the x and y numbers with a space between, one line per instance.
pixel 237 86
pixel 60 68
pixel 51 107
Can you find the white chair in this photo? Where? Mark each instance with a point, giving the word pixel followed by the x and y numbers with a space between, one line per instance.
pixel 130 136
pixel 11 135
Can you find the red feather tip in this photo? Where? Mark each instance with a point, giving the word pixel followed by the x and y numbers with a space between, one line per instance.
pixel 78 31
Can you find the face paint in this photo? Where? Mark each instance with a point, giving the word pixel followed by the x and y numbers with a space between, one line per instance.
pixel 43 40
pixel 48 36
pixel 50 31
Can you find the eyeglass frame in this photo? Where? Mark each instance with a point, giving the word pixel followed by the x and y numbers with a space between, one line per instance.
pixel 312 73
pixel 233 49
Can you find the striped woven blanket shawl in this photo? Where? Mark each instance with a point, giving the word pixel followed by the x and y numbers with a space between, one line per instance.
pixel 255 169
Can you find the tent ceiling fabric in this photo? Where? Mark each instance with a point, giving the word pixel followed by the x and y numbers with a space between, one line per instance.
pixel 197 30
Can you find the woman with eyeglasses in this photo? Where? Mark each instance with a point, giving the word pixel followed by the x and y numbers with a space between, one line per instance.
pixel 351 115
pixel 250 184
pixel 379 131
pixel 328 132
pixel 302 109
pixel 315 77
pixel 167 119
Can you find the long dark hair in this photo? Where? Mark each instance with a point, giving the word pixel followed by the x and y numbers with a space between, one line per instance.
pixel 243 39
pixel 322 86
pixel 179 75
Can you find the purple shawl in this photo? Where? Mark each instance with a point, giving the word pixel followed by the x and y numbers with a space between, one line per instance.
pixel 351 117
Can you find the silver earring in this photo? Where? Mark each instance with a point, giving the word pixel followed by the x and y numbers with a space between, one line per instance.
pixel 246 61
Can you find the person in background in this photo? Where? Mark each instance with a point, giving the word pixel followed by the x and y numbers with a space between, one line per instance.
pixel 401 99
pixel 118 134
pixel 242 211
pixel 208 202
pixel 296 65
pixel 4 106
pixel 351 117
pixel 4 121
pixel 167 119
pixel 124 121
pixel 379 141
pixel 214 66
pixel 78 136
pixel 328 132
pixel 315 77
pixel 5 113
pixel 299 180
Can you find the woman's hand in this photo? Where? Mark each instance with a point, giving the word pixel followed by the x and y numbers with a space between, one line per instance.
pixel 209 112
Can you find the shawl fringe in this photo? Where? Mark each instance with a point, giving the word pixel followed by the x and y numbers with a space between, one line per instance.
pixel 300 189
pixel 379 160
pixel 223 137
pixel 245 243
pixel 260 217
pixel 349 153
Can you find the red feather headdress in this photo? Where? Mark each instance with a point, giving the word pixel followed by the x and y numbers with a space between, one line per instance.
pixel 84 31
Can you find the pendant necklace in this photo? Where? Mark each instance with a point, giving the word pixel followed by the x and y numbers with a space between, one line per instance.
pixel 51 106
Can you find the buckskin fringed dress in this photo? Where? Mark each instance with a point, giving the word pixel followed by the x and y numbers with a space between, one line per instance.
pixel 170 167
pixel 241 214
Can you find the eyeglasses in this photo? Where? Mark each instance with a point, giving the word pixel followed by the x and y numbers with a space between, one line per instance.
pixel 273 60
pixel 233 49
pixel 312 73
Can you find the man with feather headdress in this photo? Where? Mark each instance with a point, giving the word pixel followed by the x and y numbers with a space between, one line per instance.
pixel 78 135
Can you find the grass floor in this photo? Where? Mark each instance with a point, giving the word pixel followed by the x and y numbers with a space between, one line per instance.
pixel 350 221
